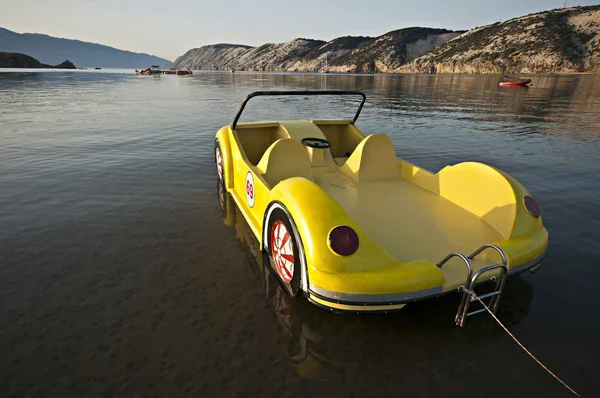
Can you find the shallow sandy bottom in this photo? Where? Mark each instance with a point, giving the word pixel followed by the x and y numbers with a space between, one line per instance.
pixel 118 276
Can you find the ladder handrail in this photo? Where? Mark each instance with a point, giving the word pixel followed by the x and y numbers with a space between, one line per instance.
pixel 468 280
pixel 486 269
pixel 490 246
pixel 461 256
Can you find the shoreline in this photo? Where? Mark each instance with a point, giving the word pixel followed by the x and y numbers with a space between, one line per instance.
pixel 128 70
pixel 399 73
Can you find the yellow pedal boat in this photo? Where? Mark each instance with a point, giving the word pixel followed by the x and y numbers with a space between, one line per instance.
pixel 352 227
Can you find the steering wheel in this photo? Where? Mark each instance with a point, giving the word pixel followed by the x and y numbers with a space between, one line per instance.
pixel 318 143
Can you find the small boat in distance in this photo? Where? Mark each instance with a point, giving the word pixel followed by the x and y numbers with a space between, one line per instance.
pixel 154 71
pixel 97 68
pixel 512 81
pixel 149 71
pixel 183 72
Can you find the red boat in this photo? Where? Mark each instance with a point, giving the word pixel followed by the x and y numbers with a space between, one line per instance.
pixel 511 81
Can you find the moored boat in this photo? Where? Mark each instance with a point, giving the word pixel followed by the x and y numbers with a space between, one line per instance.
pixel 183 72
pixel 153 71
pixel 512 81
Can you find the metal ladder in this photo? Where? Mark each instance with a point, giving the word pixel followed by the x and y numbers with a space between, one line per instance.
pixel 468 289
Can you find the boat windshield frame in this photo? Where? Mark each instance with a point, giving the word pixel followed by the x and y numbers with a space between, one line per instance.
pixel 303 92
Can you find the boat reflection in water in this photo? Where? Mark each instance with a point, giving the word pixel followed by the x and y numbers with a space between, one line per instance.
pixel 325 346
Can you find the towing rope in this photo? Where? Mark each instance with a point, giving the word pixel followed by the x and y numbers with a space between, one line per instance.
pixel 521 345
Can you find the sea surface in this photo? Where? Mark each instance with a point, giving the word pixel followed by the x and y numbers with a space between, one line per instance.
pixel 119 276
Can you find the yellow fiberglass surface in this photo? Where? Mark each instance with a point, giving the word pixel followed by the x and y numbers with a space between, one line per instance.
pixel 352 227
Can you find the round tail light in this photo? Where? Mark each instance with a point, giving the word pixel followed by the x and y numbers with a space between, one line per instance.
pixel 343 240
pixel 532 206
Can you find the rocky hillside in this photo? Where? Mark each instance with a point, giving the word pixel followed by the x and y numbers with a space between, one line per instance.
pixel 344 54
pixel 17 60
pixel 391 50
pixel 558 41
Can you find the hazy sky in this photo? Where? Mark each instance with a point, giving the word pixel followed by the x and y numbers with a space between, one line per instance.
pixel 168 28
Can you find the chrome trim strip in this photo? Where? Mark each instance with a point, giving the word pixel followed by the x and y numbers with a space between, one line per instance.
pixel 525 266
pixel 356 310
pixel 373 299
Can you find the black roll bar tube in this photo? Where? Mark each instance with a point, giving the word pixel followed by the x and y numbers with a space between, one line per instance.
pixel 306 92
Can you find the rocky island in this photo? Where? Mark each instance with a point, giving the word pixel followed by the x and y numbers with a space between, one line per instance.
pixel 564 40
pixel 18 60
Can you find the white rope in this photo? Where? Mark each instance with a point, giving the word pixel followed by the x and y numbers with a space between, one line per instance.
pixel 523 347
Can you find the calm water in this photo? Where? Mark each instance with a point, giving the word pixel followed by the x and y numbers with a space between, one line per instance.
pixel 118 276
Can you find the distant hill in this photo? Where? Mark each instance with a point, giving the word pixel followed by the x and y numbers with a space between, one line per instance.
pixel 17 60
pixel 559 41
pixel 344 54
pixel 52 50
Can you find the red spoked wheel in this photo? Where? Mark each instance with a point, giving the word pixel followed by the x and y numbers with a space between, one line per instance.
pixel 284 250
pixel 218 152
pixel 219 161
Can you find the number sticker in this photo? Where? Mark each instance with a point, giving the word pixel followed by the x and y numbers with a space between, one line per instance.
pixel 250 189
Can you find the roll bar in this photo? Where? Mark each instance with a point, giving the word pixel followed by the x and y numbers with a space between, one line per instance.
pixel 305 92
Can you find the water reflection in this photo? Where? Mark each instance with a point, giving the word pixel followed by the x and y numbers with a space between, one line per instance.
pixel 550 107
pixel 321 345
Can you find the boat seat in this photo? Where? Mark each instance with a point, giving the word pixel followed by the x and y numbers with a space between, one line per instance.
pixel 373 159
pixel 285 158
